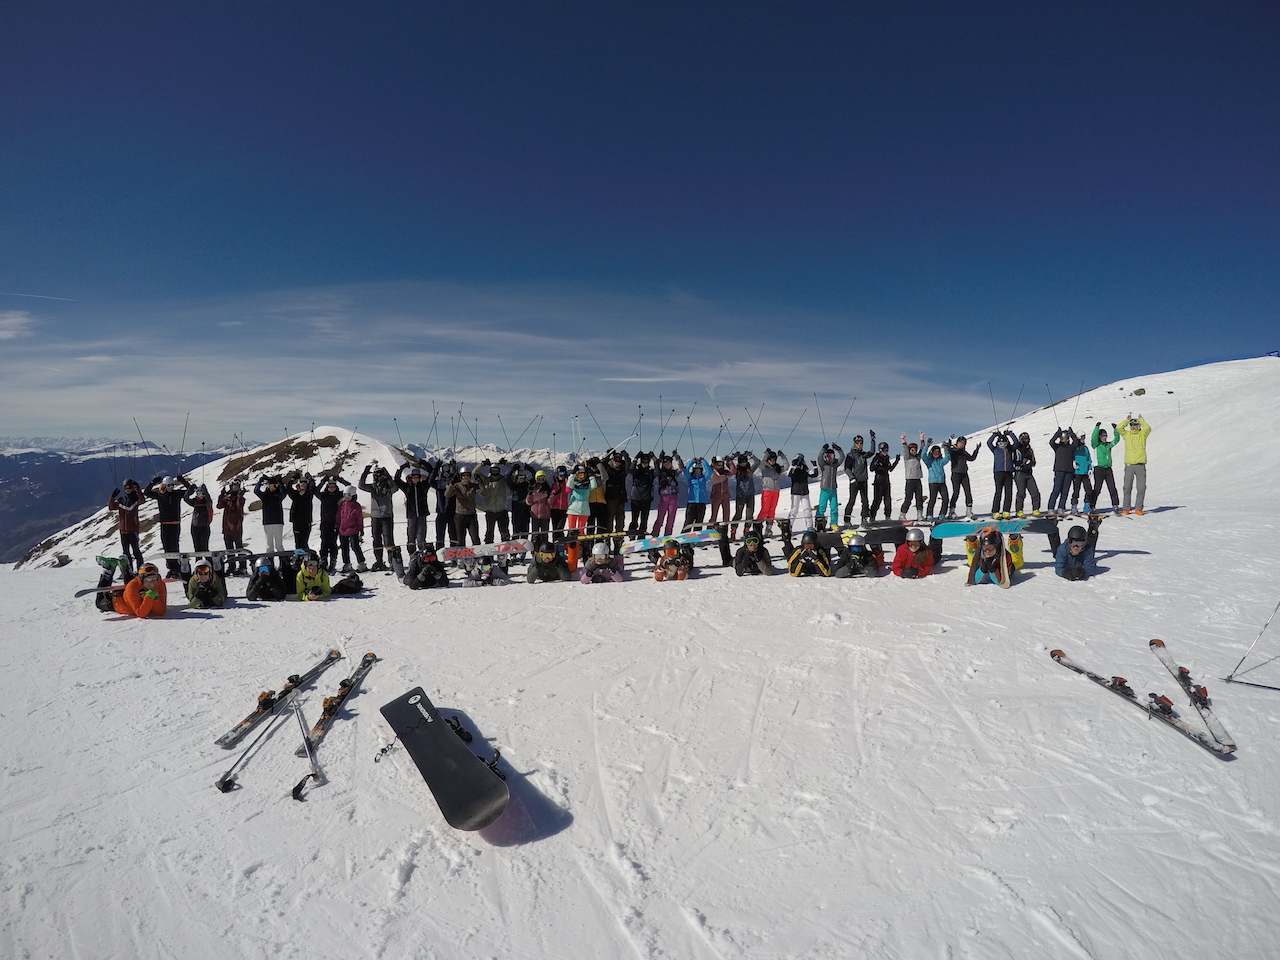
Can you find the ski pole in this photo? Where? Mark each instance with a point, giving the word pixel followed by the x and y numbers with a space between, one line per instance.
pixel 597 423
pixel 503 426
pixel 820 426
pixel 150 462
pixel 534 444
pixel 840 432
pixel 1252 645
pixel 227 782
pixel 995 417
pixel 183 445
pixel 393 420
pixel 525 430
pixel 315 773
pixel 793 429
pixel 1079 394
pixel 1015 403
pixel 1055 409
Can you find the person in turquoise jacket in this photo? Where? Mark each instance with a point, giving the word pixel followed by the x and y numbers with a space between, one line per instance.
pixel 936 459
pixel 698 476
pixel 1102 472
pixel 1080 480
pixel 1134 433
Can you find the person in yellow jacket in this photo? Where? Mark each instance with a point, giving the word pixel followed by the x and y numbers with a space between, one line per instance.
pixel 313 580
pixel 1134 433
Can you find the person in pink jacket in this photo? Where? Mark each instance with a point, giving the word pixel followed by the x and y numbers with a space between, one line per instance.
pixel 351 529
pixel 538 499
pixel 559 500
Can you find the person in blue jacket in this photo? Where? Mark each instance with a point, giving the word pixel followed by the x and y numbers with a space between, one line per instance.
pixel 1074 559
pixel 695 508
pixel 935 462
pixel 1001 445
pixel 1082 462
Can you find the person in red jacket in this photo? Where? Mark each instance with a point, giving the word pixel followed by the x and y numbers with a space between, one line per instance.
pixel 126 506
pixel 231 503
pixel 914 558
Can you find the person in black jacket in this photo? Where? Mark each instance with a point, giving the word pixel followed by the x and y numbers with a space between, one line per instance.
pixel 641 493
pixel 444 475
pixel 1064 444
pixel 169 494
pixel 415 487
pixel 547 565
pixel 301 492
pixel 613 470
pixel 752 558
pixel 270 491
pixel 425 571
pixel 961 457
pixel 330 492
pixel 881 466
pixel 855 468
pixel 520 482
pixel 266 583
pixel 1024 462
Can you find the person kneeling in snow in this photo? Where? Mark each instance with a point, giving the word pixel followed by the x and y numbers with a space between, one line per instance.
pixel 989 560
pixel 486 573
pixel 913 559
pixel 1074 560
pixel 601 567
pixel 144 595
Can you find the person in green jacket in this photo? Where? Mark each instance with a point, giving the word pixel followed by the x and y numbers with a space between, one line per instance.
pixel 1134 434
pixel 1102 472
pixel 313 580
pixel 206 588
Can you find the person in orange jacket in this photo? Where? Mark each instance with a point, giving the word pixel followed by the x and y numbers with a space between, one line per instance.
pixel 914 558
pixel 143 596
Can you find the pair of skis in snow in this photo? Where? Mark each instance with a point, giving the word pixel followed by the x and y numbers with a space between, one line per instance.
pixel 1161 707
pixel 277 704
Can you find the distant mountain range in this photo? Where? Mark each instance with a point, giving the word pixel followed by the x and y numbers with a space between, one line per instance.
pixel 48 483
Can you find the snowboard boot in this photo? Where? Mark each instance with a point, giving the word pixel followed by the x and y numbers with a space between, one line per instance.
pixel 109 563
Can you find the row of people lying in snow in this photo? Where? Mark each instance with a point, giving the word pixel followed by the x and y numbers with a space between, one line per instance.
pixel 990 558
pixel 617 493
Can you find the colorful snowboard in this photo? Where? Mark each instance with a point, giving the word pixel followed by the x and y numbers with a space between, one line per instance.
pixel 694 538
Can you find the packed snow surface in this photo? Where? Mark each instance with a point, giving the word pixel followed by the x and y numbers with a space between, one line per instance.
pixel 713 769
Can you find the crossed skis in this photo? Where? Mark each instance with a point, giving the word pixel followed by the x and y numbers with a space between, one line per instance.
pixel 1161 707
pixel 278 704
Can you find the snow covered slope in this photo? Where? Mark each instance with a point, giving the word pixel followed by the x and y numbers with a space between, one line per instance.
pixel 713 769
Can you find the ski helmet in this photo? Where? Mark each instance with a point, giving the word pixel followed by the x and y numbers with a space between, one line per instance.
pixel 858 439
pixel 810 539
pixel 349 492
pixel 1024 437
pixel 148 570
pixel 670 547
pixel 915 535
pixel 600 551
pixel 202 564
pixel 1077 534
pixel 167 481
pixel 857 542
pixel 990 539
pixel 752 539
pixel 884 447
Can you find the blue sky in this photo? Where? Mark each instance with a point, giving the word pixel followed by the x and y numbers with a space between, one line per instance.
pixel 274 214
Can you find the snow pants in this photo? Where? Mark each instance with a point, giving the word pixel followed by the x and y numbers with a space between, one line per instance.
pixel 801 512
pixel 1026 483
pixel 1002 499
pixel 829 504
pixel 639 517
pixel 856 488
pixel 768 505
pixel 1105 475
pixel 1058 495
pixel 719 503
pixel 914 492
pixel 961 481
pixel 938 490
pixel 1135 473
pixel 666 515
pixel 881 492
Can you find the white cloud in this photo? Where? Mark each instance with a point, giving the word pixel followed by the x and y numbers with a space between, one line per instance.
pixel 15 323
pixel 358 356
